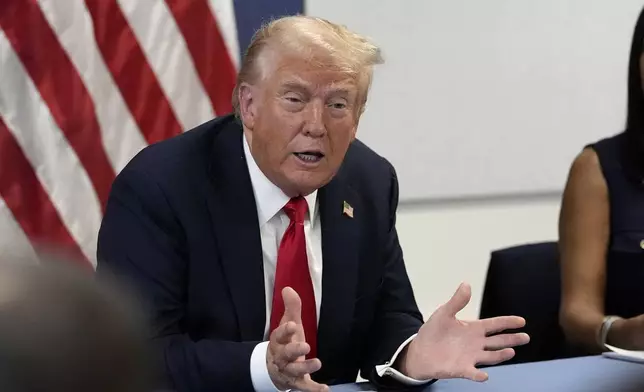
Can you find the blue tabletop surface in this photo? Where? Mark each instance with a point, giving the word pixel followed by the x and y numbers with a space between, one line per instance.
pixel 587 374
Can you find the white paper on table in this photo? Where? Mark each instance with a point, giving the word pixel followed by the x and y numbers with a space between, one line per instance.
pixel 625 355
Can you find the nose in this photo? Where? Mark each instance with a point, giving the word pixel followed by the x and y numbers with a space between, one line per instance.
pixel 314 121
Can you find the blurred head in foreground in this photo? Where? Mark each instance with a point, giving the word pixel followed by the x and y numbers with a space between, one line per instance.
pixel 60 330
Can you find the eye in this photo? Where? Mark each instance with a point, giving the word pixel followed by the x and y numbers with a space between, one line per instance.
pixel 337 103
pixel 293 99
pixel 292 102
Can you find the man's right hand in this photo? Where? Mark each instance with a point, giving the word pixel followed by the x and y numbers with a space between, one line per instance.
pixel 287 348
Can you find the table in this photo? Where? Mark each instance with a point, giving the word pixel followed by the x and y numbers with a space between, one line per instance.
pixel 587 374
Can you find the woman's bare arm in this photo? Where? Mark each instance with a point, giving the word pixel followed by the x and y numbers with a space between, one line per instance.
pixel 584 229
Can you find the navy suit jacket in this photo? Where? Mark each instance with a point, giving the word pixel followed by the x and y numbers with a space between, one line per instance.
pixel 181 224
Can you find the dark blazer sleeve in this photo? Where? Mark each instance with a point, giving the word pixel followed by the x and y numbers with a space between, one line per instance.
pixel 397 314
pixel 141 239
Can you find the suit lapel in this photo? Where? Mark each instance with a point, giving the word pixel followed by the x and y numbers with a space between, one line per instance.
pixel 234 218
pixel 340 242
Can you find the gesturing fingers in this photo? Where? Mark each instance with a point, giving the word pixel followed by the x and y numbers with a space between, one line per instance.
pixel 284 333
pixel 286 353
pixel 459 300
pixel 290 353
pixel 498 324
pixel 302 368
pixel 475 374
pixel 498 342
pixel 295 350
pixel 495 357
pixel 292 305
pixel 284 349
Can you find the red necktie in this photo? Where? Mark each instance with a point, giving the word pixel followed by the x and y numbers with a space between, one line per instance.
pixel 293 271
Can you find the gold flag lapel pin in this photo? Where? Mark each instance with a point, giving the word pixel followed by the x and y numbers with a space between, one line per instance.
pixel 347 209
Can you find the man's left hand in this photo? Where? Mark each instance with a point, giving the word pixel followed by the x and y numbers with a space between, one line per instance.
pixel 446 347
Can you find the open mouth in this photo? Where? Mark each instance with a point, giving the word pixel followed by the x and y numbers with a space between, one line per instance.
pixel 309 156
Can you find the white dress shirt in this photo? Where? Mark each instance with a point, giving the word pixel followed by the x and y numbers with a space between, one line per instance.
pixel 273 222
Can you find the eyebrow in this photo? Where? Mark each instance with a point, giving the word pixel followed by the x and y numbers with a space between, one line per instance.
pixel 339 90
pixel 342 88
pixel 302 86
pixel 294 85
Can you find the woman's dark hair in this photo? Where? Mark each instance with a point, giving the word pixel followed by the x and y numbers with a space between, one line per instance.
pixel 634 140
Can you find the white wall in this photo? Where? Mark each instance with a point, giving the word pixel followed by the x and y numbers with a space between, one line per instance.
pixel 472 93
pixel 448 242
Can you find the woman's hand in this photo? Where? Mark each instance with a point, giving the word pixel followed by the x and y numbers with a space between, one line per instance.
pixel 627 333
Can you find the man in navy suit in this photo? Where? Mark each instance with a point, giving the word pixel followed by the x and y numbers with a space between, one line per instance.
pixel 264 243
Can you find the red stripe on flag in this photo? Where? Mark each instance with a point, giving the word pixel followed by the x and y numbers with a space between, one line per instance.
pixel 29 202
pixel 131 72
pixel 208 50
pixel 60 86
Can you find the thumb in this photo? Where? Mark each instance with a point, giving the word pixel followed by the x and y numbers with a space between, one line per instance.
pixel 292 305
pixel 459 300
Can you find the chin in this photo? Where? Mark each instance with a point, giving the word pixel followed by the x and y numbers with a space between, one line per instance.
pixel 308 186
pixel 304 182
pixel 314 185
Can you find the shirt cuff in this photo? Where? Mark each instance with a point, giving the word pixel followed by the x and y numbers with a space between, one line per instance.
pixel 259 371
pixel 387 368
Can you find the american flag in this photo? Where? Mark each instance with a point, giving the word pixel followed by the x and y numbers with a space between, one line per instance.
pixel 86 84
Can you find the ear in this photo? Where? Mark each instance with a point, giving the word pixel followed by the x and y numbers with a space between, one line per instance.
pixel 358 115
pixel 248 99
pixel 354 131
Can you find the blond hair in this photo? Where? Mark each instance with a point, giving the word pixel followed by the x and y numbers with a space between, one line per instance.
pixel 317 40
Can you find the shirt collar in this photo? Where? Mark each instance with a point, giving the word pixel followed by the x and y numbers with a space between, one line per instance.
pixel 269 198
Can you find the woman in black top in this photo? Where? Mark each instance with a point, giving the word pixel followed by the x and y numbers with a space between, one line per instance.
pixel 601 231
